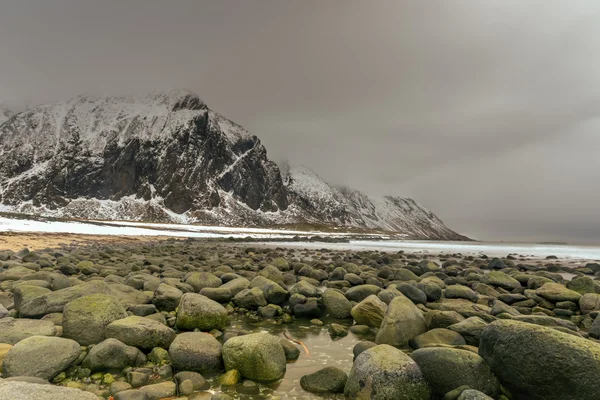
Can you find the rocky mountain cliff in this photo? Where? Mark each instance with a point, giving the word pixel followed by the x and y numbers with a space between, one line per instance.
pixel 168 157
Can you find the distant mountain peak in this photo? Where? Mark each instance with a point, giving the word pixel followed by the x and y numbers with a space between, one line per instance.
pixel 166 156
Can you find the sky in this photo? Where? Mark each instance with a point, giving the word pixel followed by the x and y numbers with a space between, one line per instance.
pixel 486 112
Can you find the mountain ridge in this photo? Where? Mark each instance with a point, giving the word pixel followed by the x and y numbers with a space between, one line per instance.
pixel 167 157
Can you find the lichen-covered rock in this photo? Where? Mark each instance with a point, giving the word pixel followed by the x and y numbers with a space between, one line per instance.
pixel 13 330
pixel 336 304
pixel 326 380
pixel 196 351
pixel 40 356
pixel 32 391
pixel 369 312
pixel 403 321
pixel 113 355
pixel 199 312
pixel 257 356
pixel 141 332
pixel 540 362
pixel 446 369
pixel 385 373
pixel 85 319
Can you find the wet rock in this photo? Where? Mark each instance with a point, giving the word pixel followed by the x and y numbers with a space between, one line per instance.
pixel 257 356
pixel 403 321
pixel 201 280
pixel 336 304
pixel 166 297
pixel 292 352
pixel 141 332
pixel 556 292
pixel 40 356
pixel 359 293
pixel 437 336
pixel 369 312
pixel 85 319
pixel 113 355
pixel 14 330
pixel 32 391
pixel 326 380
pixel 540 362
pixel 196 351
pixel 470 329
pixel 446 369
pixel 385 373
pixel 250 299
pixel 199 312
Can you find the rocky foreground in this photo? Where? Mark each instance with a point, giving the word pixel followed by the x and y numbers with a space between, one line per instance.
pixel 155 321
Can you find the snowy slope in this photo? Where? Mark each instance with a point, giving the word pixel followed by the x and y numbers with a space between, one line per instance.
pixel 323 202
pixel 166 157
pixel 5 114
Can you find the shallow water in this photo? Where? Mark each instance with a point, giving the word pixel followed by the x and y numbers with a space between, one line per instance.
pixel 492 249
pixel 324 352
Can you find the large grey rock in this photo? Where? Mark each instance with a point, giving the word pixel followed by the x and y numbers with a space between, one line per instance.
pixel 556 292
pixel 196 351
pixel 199 312
pixel 40 356
pixel 369 312
pixel 141 332
pixel 166 297
pixel 403 321
pixel 540 362
pixel 470 329
pixel 273 292
pixel 336 304
pixel 33 391
pixel 445 369
pixel 257 356
pixel 201 280
pixel 14 330
pixel 437 336
pixel 500 279
pixel 385 373
pixel 55 301
pixel 326 380
pixel 85 319
pixel 113 355
pixel 250 299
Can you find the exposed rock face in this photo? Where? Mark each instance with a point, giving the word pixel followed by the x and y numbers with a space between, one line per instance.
pixel 167 157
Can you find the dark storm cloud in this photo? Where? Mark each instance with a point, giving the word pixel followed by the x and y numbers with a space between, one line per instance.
pixel 484 111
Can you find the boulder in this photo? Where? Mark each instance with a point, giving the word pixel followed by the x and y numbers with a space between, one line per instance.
pixel 359 293
pixel 369 312
pixel 446 369
pixel 336 304
pixel 589 302
pixel 14 330
pixel 273 292
pixel 250 299
pixel 166 297
pixel 196 351
pixel 540 362
pixel 257 356
pixel 113 356
pixel 40 356
pixel 85 319
pixel 470 329
pixel 199 312
pixel 220 294
pixel 326 380
pixel 461 292
pixel 556 292
pixel 236 285
pixel 141 332
pixel 385 373
pixel 415 294
pixel 55 301
pixel 32 391
pixel 500 279
pixel 201 280
pixel 438 336
pixel 403 321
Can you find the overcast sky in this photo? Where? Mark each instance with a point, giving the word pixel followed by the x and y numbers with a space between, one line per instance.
pixel 484 111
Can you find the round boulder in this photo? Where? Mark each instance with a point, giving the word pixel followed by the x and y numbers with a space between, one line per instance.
pixel 445 369
pixel 326 380
pixel 196 351
pixel 141 332
pixel 385 373
pixel 199 312
pixel 40 356
pixel 257 356
pixel 85 319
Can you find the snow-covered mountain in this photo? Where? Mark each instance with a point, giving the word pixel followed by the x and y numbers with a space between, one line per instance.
pixel 168 157
pixel 5 114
